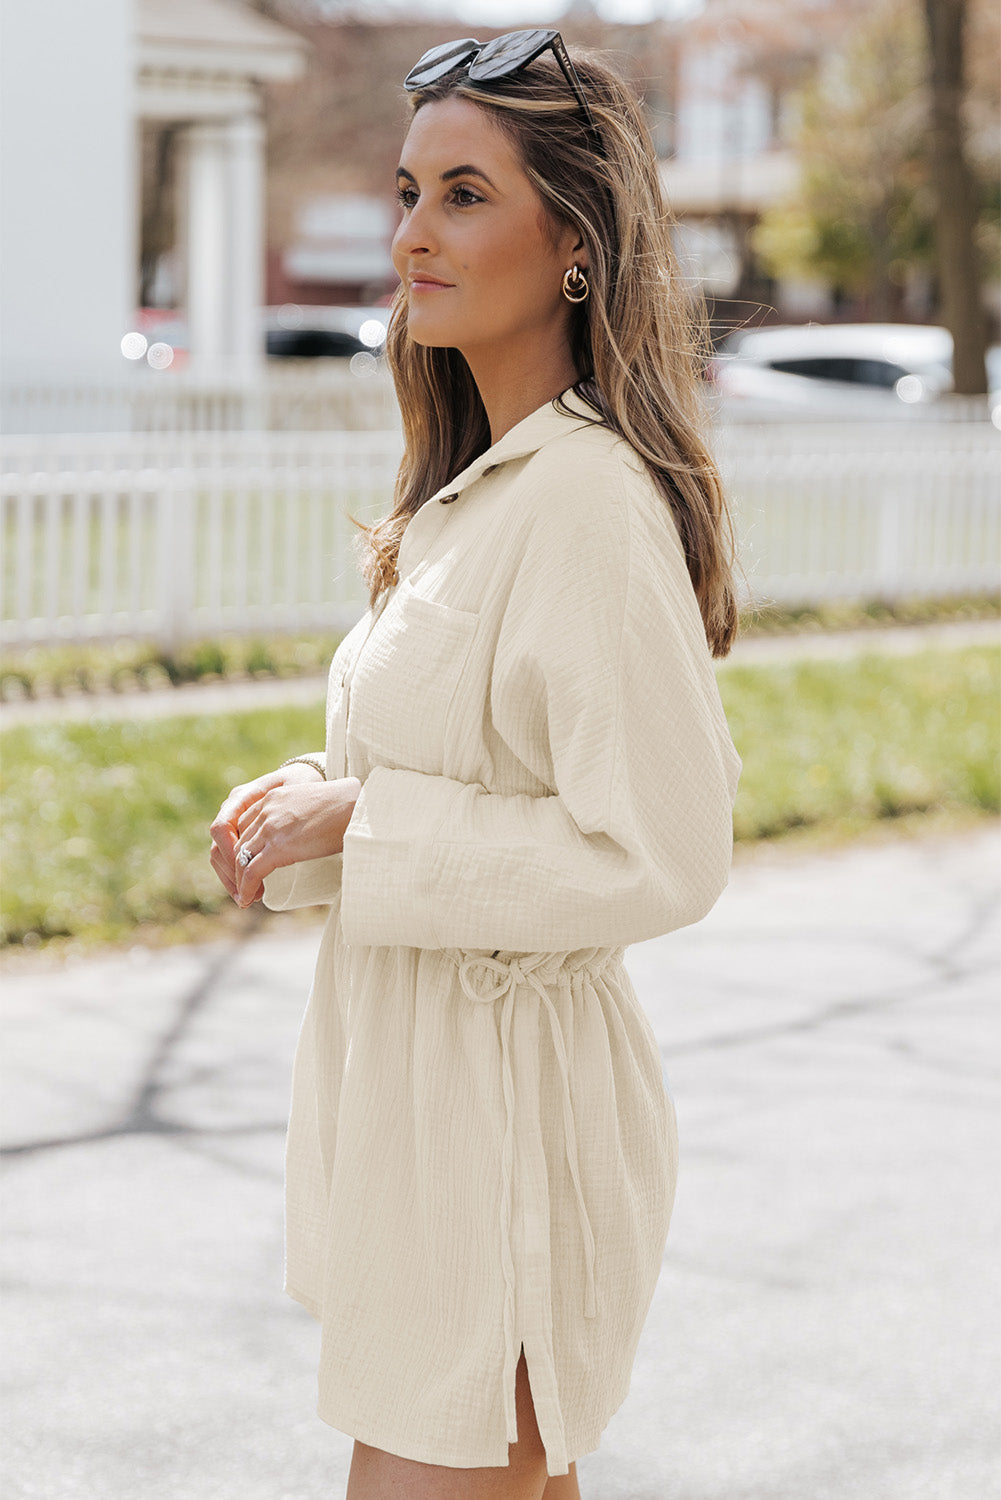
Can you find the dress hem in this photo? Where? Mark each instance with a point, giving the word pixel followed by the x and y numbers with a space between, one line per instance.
pixel 372 1439
pixel 309 1303
pixel 418 1454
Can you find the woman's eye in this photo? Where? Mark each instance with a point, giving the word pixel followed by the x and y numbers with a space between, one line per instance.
pixel 462 197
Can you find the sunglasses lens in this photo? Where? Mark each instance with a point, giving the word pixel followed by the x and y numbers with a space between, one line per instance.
pixel 506 54
pixel 498 59
pixel 439 61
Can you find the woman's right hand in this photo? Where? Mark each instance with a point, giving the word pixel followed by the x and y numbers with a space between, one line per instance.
pixel 224 830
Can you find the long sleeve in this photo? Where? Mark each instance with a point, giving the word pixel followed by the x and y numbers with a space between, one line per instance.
pixel 309 882
pixel 603 686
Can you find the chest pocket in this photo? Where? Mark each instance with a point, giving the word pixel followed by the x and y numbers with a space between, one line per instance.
pixel 404 692
pixel 337 698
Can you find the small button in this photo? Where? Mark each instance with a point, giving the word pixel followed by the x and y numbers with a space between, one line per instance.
pixel 490 468
pixel 447 499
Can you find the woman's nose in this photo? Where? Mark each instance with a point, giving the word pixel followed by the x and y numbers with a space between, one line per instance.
pixel 414 235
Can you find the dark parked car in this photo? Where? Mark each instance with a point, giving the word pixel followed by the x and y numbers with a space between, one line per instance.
pixel 312 343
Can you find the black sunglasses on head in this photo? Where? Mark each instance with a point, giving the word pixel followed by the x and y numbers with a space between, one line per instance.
pixel 500 58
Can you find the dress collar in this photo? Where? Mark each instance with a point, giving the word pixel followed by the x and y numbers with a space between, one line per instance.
pixel 525 437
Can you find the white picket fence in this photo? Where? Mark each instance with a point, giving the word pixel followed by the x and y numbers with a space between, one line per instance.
pixel 304 396
pixel 173 536
pixel 319 396
pixel 865 511
pixel 178 536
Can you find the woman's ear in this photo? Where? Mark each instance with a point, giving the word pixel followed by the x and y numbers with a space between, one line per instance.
pixel 568 242
pixel 578 253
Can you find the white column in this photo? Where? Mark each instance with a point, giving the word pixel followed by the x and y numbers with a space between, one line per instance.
pixel 66 193
pixel 245 151
pixel 208 254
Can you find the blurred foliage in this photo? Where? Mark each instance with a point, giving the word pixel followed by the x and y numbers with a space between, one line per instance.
pixel 136 666
pixel 106 823
pixel 863 214
pixel 853 741
pixel 872 614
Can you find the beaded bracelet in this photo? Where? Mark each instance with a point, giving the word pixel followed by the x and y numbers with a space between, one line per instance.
pixel 306 760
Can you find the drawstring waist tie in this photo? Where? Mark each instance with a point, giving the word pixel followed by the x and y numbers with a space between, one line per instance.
pixel 484 980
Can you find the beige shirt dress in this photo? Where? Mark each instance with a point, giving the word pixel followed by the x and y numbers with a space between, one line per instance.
pixel 482 1149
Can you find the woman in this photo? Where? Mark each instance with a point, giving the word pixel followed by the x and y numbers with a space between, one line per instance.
pixel 532 772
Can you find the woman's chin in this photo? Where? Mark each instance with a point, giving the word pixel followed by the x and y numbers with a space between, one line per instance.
pixel 427 326
pixel 429 338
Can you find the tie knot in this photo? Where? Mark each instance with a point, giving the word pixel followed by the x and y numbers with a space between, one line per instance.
pixel 486 976
pixel 475 977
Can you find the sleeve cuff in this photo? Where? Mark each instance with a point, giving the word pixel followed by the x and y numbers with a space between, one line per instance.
pixel 388 857
pixel 310 882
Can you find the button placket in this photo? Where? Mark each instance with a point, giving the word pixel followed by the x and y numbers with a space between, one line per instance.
pixel 338 754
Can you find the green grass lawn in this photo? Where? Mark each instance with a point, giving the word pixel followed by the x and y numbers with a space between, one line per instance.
pixel 853 741
pixel 105 824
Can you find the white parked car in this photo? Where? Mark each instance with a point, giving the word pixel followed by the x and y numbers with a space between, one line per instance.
pixel 865 369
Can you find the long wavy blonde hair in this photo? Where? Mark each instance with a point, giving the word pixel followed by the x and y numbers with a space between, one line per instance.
pixel 638 341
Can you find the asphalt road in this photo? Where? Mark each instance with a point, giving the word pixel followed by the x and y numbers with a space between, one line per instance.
pixel 826 1325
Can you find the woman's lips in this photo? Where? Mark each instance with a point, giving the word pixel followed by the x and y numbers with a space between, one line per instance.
pixel 419 285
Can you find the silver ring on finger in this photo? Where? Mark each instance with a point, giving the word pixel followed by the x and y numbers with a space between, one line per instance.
pixel 245 856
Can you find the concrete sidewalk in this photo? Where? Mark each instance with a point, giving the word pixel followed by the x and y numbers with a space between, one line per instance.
pixel 826 1323
pixel 274 692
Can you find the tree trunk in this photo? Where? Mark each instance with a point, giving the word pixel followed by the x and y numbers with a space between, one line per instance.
pixel 157 217
pixel 959 269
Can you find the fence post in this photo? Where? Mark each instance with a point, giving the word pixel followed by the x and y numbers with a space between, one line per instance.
pixel 889 543
pixel 175 562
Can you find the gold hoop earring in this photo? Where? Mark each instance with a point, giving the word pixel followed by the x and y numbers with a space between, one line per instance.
pixel 575 287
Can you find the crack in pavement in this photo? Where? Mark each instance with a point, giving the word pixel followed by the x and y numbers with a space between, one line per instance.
pixel 152 1128
pixel 141 1116
pixel 944 971
pixel 944 962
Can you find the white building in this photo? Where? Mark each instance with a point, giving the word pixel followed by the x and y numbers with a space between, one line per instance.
pixel 76 81
pixel 739 63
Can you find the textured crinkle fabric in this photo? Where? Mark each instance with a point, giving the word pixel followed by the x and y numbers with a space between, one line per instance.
pixel 482 1151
